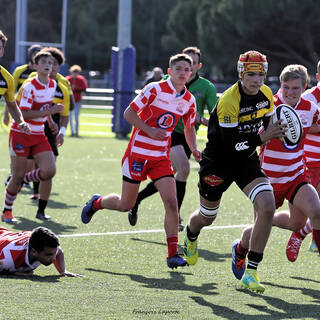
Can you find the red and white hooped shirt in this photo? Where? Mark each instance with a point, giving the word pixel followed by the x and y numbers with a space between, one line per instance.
pixel 36 96
pixel 312 141
pixel 283 163
pixel 14 252
pixel 160 106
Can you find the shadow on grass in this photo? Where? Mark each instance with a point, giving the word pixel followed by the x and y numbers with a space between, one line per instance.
pixel 176 282
pixel 34 278
pixel 27 224
pixel 204 254
pixel 285 310
pixel 53 204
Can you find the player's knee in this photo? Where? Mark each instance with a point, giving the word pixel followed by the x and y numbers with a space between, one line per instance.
pixel 171 204
pixel 208 215
pixel 126 206
pixel 47 174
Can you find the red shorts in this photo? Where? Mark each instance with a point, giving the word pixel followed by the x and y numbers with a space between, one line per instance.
pixel 288 190
pixel 314 175
pixel 24 145
pixel 139 169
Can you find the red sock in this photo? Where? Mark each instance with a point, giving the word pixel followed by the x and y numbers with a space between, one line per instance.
pixel 316 235
pixel 172 241
pixel 97 204
pixel 241 251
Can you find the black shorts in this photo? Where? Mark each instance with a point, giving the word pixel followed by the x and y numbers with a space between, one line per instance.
pixel 215 177
pixel 180 139
pixel 51 139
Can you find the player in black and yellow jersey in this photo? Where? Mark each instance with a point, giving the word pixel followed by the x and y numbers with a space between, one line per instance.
pixel 7 89
pixel 21 73
pixel 230 156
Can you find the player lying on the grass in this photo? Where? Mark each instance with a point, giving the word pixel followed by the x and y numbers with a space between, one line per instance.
pixel 22 252
pixel 205 94
pixel 230 156
pixel 285 167
pixel 154 113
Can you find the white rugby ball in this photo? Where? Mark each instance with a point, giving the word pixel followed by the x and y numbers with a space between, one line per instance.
pixel 294 126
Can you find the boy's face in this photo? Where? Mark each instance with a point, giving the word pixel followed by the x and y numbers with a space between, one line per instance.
pixel 252 82
pixel 291 91
pixel 195 63
pixel 55 67
pixel 46 256
pixel 44 65
pixel 180 72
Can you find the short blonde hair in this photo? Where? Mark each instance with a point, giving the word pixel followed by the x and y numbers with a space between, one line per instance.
pixel 75 68
pixel 295 71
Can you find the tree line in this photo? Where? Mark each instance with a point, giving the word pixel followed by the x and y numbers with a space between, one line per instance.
pixel 286 31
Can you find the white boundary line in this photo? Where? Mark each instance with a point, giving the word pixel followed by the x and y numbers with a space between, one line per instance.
pixel 142 231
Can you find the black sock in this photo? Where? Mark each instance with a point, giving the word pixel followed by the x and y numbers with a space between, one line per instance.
pixel 192 236
pixel 36 187
pixel 42 204
pixel 181 190
pixel 253 259
pixel 148 191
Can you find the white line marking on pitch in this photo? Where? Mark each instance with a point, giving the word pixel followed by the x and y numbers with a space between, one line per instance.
pixel 142 231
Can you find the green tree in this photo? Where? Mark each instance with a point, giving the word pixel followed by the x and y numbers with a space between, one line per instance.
pixel 284 30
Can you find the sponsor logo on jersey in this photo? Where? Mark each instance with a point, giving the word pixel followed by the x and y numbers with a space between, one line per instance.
pixel 19 147
pixel 45 107
pixel 227 119
pixel 246 109
pixel 137 166
pixel 240 146
pixel 253 116
pixel 262 104
pixel 212 180
pixel 166 120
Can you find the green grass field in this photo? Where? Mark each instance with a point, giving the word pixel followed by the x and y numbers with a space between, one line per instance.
pixel 125 272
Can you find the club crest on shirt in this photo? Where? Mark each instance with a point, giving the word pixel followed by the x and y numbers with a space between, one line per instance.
pixel 166 120
pixel 180 108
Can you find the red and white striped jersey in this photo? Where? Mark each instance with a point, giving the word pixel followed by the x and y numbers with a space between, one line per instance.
pixel 36 96
pixel 160 106
pixel 14 252
pixel 283 163
pixel 312 141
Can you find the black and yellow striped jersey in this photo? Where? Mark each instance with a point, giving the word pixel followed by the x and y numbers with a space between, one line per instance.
pixel 6 85
pixel 235 123
pixel 20 75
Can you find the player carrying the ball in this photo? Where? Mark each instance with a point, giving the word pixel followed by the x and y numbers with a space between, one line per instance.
pixel 284 164
pixel 154 113
pixel 230 156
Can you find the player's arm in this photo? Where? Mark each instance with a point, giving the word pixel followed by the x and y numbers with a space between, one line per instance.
pixel 132 117
pixel 211 100
pixel 191 138
pixel 60 265
pixel 64 116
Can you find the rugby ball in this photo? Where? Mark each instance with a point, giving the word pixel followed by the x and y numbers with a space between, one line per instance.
pixel 294 126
